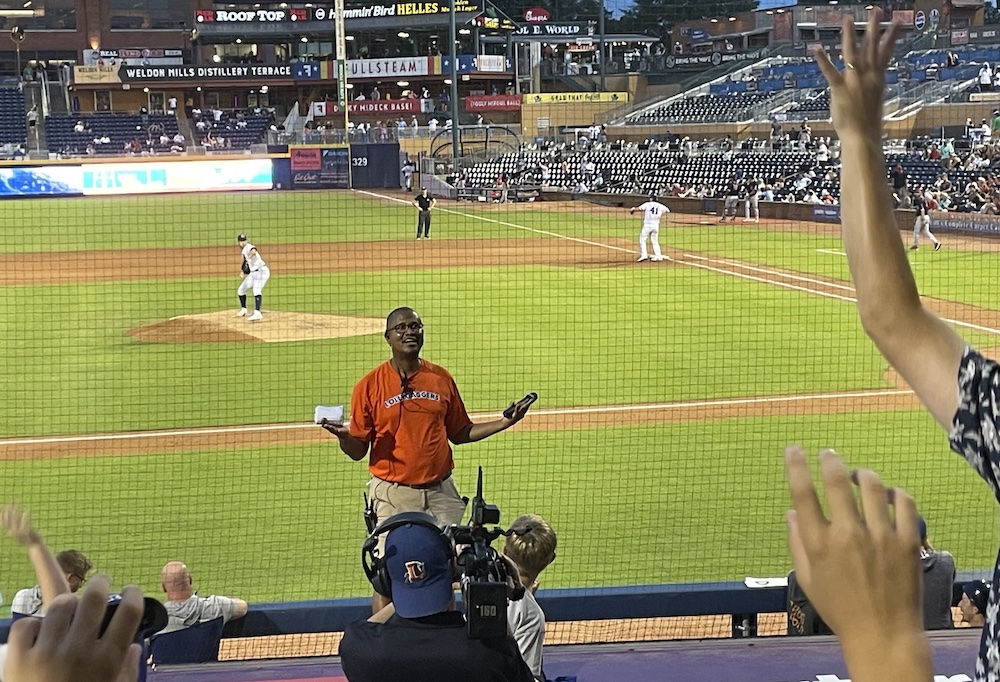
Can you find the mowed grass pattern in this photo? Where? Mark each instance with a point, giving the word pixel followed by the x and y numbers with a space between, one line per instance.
pixel 700 500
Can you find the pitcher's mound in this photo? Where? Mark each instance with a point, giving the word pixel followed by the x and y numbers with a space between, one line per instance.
pixel 277 326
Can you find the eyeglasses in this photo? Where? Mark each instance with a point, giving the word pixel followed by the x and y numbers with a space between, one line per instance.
pixel 411 326
pixel 80 578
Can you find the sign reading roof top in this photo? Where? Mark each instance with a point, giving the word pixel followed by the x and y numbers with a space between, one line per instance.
pixel 354 10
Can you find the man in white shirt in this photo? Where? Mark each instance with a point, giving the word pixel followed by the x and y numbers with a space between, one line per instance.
pixel 256 275
pixel 185 608
pixel 652 211
pixel 74 565
pixel 532 546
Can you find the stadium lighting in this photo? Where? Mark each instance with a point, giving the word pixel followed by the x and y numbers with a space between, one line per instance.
pixel 239 41
pixel 714 20
pixel 348 37
pixel 18 13
pixel 781 11
pixel 403 34
pixel 732 18
pixel 402 84
pixel 464 31
pixel 304 39
pixel 216 58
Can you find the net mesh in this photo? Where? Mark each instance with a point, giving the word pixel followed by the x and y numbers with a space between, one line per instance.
pixel 145 422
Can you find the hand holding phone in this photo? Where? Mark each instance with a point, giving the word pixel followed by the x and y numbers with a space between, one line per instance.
pixel 524 402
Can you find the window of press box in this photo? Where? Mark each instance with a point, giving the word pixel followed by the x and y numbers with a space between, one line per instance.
pixel 131 15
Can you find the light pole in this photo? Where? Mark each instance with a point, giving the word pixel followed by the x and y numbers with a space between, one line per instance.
pixel 17 35
pixel 452 54
pixel 601 45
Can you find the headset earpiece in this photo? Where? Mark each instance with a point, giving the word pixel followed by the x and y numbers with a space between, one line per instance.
pixel 374 565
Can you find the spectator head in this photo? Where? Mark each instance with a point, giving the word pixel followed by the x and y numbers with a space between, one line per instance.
pixel 176 581
pixel 75 565
pixel 532 546
pixel 975 596
pixel 421 570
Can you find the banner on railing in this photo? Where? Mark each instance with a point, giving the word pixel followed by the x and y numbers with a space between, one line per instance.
pixel 964 222
pixel 575 97
pixel 493 103
pixel 824 213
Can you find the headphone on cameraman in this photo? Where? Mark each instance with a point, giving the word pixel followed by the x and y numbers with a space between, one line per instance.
pixel 375 566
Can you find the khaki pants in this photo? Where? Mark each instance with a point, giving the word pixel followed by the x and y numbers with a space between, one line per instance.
pixel 441 501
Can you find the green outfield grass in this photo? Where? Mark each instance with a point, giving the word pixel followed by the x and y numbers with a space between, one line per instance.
pixel 651 504
pixel 642 504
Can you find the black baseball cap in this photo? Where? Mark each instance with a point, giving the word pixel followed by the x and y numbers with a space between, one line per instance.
pixel 241 238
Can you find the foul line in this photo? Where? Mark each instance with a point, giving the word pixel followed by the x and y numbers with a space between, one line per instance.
pixel 505 224
pixel 641 407
pixel 832 252
pixel 729 263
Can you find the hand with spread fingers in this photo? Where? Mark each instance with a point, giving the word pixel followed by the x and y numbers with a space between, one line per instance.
pixel 860 567
pixel 67 641
pixel 857 92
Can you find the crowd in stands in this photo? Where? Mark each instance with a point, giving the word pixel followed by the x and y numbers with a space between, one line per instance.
pixel 220 131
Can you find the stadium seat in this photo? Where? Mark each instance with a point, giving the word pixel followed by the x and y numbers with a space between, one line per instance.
pixel 196 644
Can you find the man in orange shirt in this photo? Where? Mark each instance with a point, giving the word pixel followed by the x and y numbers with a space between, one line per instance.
pixel 407 410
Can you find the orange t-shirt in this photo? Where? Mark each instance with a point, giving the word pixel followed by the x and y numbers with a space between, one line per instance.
pixel 409 432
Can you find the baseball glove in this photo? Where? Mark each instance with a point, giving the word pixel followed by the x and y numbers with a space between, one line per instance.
pixel 246 267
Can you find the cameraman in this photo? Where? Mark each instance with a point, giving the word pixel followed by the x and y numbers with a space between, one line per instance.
pixel 420 637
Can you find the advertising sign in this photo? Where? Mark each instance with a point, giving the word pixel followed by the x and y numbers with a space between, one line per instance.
pixel 714 59
pixel 575 97
pixel 387 68
pixel 139 56
pixel 382 106
pixel 536 15
pixel 580 28
pixel 125 73
pixel 919 20
pixel 491 63
pixel 493 103
pixel 319 167
pixel 826 214
pixel 189 176
pixel 964 222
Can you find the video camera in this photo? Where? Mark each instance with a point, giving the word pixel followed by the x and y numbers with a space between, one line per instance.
pixel 484 573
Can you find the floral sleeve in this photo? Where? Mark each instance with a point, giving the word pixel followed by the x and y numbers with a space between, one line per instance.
pixel 974 428
pixel 974 436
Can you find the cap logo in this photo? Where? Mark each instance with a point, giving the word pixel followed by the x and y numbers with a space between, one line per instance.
pixel 415 571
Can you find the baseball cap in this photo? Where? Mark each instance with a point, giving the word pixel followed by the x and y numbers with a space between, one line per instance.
pixel 241 238
pixel 978 592
pixel 420 568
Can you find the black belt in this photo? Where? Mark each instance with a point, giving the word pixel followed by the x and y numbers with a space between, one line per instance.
pixel 425 486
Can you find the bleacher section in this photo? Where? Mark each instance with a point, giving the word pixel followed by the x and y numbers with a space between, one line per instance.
pixel 13 129
pixel 712 108
pixel 238 136
pixel 803 89
pixel 119 128
pixel 636 171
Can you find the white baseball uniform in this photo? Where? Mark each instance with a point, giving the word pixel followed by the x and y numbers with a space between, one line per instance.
pixel 259 272
pixel 652 211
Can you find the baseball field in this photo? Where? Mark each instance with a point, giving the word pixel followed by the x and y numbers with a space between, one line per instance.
pixel 144 422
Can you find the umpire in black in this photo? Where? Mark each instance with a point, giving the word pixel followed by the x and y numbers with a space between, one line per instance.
pixel 424 204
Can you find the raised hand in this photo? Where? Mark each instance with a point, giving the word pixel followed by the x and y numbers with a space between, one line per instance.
pixel 17 523
pixel 860 568
pixel 857 92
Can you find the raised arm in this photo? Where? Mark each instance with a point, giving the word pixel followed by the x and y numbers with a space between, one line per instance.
pixel 48 572
pixel 476 432
pixel 923 349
